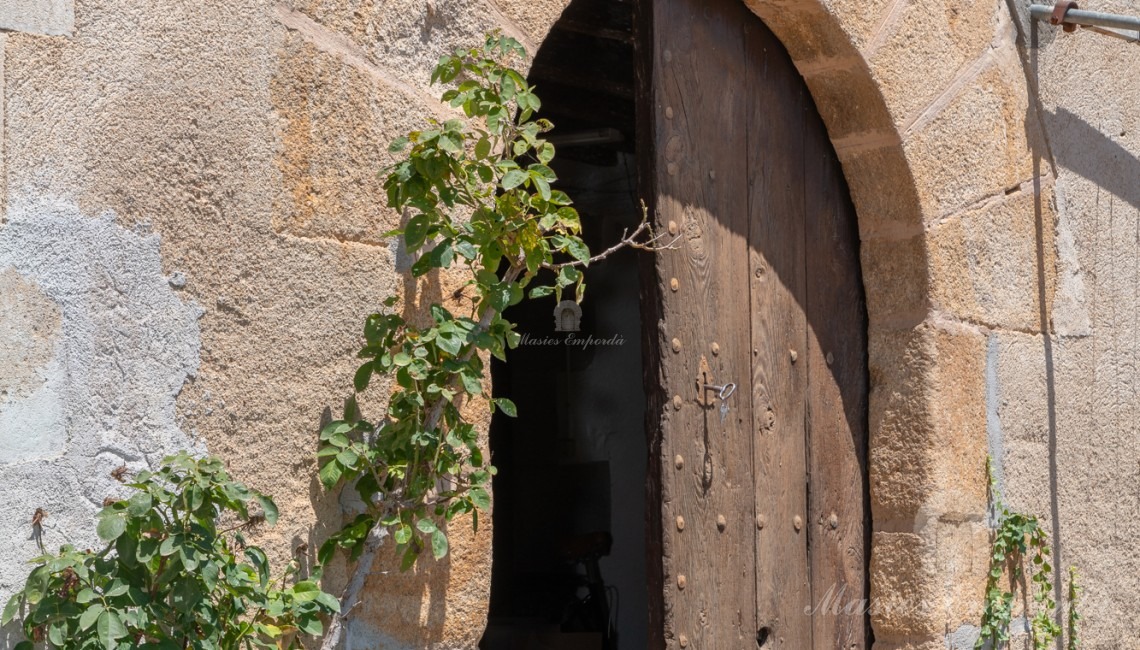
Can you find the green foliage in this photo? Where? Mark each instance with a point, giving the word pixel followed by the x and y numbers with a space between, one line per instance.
pixel 1018 539
pixel 476 194
pixel 1074 616
pixel 169 577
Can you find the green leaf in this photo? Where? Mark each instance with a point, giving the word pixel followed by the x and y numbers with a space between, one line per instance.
pixel 110 526
pixel 348 458
pixel 170 545
pixel 328 602
pixel 11 608
pixel 311 626
pixel 578 249
pixel 506 406
pixel 472 382
pixel 90 615
pixel 480 498
pixel 306 590
pixel 330 474
pixel 568 275
pixel 451 142
pixel 513 179
pixel 482 148
pixel 110 629
pixel 138 504
pixel 543 187
pixel 415 232
pixel 438 544
pixel 398 144
pixel 546 153
pixel 57 634
pixel 362 376
pixel 426 526
pixel 336 427
pixel 269 507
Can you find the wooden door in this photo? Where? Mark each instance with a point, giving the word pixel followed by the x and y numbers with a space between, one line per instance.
pixel 763 528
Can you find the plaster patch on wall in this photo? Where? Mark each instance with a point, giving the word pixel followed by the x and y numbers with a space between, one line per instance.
pixel 96 347
pixel 45 17
pixel 1070 315
pixel 963 638
pixel 31 373
pixel 994 436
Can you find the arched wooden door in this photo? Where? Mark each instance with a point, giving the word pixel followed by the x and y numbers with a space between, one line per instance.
pixel 764 522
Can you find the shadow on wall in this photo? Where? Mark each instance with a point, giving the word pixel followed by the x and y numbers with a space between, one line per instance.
pixel 1084 150
pixel 1067 142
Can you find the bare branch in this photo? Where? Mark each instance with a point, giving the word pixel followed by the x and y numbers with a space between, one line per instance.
pixel 628 240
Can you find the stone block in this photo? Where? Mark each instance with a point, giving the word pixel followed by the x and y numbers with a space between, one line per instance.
pixel 894 278
pixel 927 424
pixel 336 123
pixel 533 18
pixel 883 192
pixel 928 47
pixel 809 35
pixel 407 37
pixel 899 423
pixel 961 554
pixel 860 20
pixel 958 444
pixel 849 102
pixel 913 644
pixel 904 588
pixel 996 264
pixel 976 146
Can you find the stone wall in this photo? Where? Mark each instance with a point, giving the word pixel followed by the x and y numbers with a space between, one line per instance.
pixel 189 245
pixel 189 239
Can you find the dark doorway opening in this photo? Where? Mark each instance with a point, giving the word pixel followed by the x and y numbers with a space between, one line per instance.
pixel 569 565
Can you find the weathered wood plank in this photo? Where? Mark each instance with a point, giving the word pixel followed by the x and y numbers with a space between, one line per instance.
pixel 779 340
pixel 768 270
pixel 836 400
pixel 700 174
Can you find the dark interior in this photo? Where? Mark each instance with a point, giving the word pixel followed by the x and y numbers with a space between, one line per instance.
pixel 569 566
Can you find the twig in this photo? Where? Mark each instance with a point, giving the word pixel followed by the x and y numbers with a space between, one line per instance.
pixel 628 239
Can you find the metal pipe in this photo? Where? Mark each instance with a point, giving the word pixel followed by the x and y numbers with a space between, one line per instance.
pixel 1088 18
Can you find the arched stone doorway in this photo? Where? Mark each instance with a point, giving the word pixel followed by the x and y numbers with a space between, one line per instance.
pixel 927 108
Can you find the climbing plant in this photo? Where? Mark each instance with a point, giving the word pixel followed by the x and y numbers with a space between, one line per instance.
pixel 175 572
pixel 1019 540
pixel 476 192
pixel 1074 615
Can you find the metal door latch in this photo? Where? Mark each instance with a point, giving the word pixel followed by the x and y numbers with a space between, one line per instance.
pixel 723 393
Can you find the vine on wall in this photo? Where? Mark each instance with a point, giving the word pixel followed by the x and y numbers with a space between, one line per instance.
pixel 1018 540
